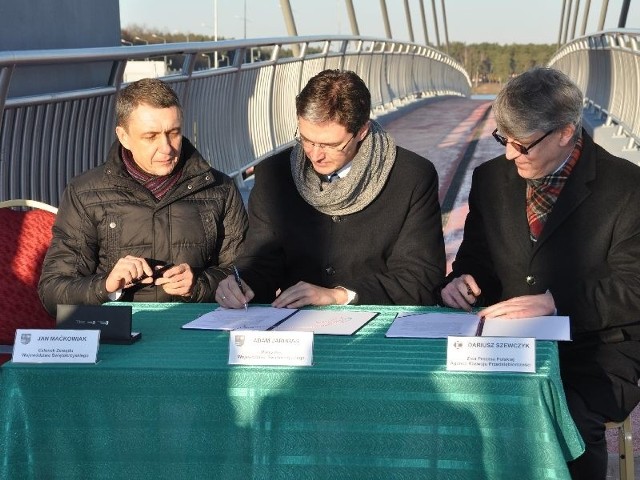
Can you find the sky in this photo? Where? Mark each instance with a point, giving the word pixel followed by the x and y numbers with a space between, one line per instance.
pixel 468 21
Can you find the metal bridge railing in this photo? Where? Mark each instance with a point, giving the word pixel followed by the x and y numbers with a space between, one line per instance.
pixel 606 66
pixel 236 114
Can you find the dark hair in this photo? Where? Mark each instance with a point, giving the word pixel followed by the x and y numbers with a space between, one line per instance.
pixel 540 99
pixel 148 91
pixel 335 96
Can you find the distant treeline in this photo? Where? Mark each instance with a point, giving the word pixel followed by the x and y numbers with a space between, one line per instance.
pixel 491 62
pixel 485 62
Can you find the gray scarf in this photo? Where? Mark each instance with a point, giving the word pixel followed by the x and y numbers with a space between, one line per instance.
pixel 368 175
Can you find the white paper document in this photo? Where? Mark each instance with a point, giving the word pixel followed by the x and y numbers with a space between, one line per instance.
pixel 254 318
pixel 434 325
pixel 442 325
pixel 327 322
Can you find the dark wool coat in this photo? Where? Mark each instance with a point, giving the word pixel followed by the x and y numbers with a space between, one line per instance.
pixel 588 257
pixel 104 215
pixel 392 252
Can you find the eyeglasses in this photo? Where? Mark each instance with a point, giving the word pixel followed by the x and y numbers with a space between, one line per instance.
pixel 517 146
pixel 331 148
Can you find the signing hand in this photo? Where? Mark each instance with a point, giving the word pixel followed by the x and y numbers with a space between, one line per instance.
pixel 228 293
pixel 126 271
pixel 303 293
pixel 522 307
pixel 461 292
pixel 178 280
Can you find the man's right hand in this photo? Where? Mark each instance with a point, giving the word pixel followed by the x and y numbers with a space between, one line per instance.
pixel 126 271
pixel 461 292
pixel 228 293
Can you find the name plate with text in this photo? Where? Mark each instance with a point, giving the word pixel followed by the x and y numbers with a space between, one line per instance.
pixel 55 346
pixel 491 354
pixel 251 347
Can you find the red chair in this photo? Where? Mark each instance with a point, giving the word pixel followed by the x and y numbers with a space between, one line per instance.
pixel 25 235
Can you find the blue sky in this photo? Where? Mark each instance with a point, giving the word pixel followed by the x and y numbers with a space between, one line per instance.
pixel 469 21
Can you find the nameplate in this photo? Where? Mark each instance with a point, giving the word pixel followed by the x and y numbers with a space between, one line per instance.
pixel 56 346
pixel 491 354
pixel 251 347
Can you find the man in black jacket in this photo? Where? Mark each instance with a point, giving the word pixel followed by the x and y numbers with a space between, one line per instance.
pixel 343 217
pixel 553 227
pixel 154 204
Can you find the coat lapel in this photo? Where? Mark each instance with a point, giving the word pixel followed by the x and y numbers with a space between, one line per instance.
pixel 515 211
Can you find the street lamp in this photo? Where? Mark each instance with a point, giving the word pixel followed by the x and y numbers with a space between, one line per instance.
pixel 126 42
pixel 164 40
pixel 141 40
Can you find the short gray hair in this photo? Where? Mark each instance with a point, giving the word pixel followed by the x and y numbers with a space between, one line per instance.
pixel 540 99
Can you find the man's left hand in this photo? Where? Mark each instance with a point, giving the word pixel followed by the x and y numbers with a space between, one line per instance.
pixel 522 307
pixel 178 280
pixel 303 293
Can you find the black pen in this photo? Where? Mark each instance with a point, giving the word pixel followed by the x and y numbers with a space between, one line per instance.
pixel 157 273
pixel 239 282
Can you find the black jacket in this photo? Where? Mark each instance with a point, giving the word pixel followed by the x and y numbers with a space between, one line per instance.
pixel 105 215
pixel 391 252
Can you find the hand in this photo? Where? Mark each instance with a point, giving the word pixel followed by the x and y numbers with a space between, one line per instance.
pixel 461 292
pixel 303 293
pixel 126 271
pixel 178 280
pixel 228 294
pixel 522 307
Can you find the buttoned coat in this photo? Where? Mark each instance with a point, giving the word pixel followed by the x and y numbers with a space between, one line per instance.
pixel 587 256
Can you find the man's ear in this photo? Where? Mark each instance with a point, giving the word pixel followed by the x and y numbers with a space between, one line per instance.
pixel 123 136
pixel 363 131
pixel 566 134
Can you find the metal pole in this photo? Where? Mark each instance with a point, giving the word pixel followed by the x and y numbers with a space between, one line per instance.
pixel 215 31
pixel 424 23
pixel 385 18
pixel 561 30
pixel 285 6
pixel 353 21
pixel 566 23
pixel 407 14
pixel 585 16
pixel 622 21
pixel 603 14
pixel 444 21
pixel 574 21
pixel 435 21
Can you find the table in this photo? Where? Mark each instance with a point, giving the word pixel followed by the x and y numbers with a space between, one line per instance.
pixel 370 407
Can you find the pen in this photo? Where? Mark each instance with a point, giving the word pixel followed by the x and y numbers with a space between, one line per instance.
pixel 236 274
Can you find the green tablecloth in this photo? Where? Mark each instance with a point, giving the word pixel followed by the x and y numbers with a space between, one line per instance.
pixel 169 406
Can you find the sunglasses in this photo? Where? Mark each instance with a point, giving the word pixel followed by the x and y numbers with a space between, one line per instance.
pixel 517 146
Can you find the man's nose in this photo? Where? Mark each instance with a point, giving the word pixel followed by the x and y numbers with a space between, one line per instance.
pixel 314 152
pixel 511 153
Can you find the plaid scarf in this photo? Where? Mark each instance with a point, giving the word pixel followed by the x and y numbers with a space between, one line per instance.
pixel 157 185
pixel 542 193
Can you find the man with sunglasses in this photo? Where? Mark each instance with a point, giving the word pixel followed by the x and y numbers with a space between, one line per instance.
pixel 553 227
pixel 344 216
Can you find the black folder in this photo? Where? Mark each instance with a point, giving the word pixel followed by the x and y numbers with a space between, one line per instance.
pixel 114 322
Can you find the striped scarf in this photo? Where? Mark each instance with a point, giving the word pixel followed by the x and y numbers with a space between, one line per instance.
pixel 542 193
pixel 157 185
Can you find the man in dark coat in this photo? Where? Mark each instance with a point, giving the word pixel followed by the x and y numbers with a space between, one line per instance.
pixel 343 217
pixel 154 203
pixel 553 227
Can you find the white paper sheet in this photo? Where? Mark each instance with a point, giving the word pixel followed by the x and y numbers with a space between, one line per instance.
pixel 327 322
pixel 433 325
pixel 442 325
pixel 254 318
